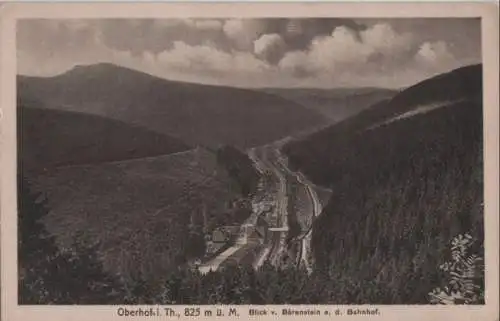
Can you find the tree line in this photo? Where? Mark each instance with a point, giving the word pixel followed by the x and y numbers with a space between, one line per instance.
pixel 49 274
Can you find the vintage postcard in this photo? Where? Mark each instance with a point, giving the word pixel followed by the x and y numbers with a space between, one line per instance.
pixel 249 160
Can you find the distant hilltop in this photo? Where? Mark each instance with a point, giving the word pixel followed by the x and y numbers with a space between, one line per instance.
pixel 194 113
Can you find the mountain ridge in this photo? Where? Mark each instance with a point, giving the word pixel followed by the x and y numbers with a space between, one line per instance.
pixel 197 114
pixel 336 104
pixel 52 138
pixel 403 190
pixel 458 83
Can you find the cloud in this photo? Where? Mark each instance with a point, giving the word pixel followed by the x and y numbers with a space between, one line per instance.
pixel 157 35
pixel 243 32
pixel 346 50
pixel 342 47
pixel 208 24
pixel 296 64
pixel 209 60
pixel 384 39
pixel 297 33
pixel 49 47
pixel 51 37
pixel 169 23
pixel 270 47
pixel 432 54
pixel 322 52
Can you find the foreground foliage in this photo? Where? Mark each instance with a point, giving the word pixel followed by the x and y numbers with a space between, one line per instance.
pixel 464 274
pixel 50 275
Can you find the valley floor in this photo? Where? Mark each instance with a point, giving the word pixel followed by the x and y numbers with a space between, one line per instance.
pixel 274 242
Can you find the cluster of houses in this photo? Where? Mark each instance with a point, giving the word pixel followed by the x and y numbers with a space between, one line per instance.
pixel 219 237
pixel 263 205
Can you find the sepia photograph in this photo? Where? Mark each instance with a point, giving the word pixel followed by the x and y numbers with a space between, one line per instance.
pixel 291 160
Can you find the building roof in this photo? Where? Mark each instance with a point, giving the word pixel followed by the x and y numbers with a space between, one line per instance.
pixel 218 236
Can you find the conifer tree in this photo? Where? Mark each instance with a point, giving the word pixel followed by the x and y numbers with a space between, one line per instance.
pixel 49 275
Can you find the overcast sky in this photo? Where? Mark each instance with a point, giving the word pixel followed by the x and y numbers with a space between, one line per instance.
pixel 256 52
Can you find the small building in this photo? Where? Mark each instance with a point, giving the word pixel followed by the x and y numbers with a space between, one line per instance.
pixel 213 247
pixel 219 236
pixel 231 229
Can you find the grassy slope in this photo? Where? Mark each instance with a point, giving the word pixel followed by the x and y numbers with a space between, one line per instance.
pixel 400 191
pixel 336 104
pixel 197 114
pixel 51 138
pixel 139 209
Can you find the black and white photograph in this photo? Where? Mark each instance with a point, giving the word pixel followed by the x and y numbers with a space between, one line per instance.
pixel 250 161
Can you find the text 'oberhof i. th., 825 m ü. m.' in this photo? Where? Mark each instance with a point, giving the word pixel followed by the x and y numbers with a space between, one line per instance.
pixel 208 312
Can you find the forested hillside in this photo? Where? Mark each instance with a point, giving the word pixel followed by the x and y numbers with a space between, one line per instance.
pixel 405 180
pixel 405 187
pixel 317 154
pixel 336 104
pixel 159 218
pixel 239 167
pixel 52 138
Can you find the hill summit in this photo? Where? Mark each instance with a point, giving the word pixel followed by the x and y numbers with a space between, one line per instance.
pixel 196 114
